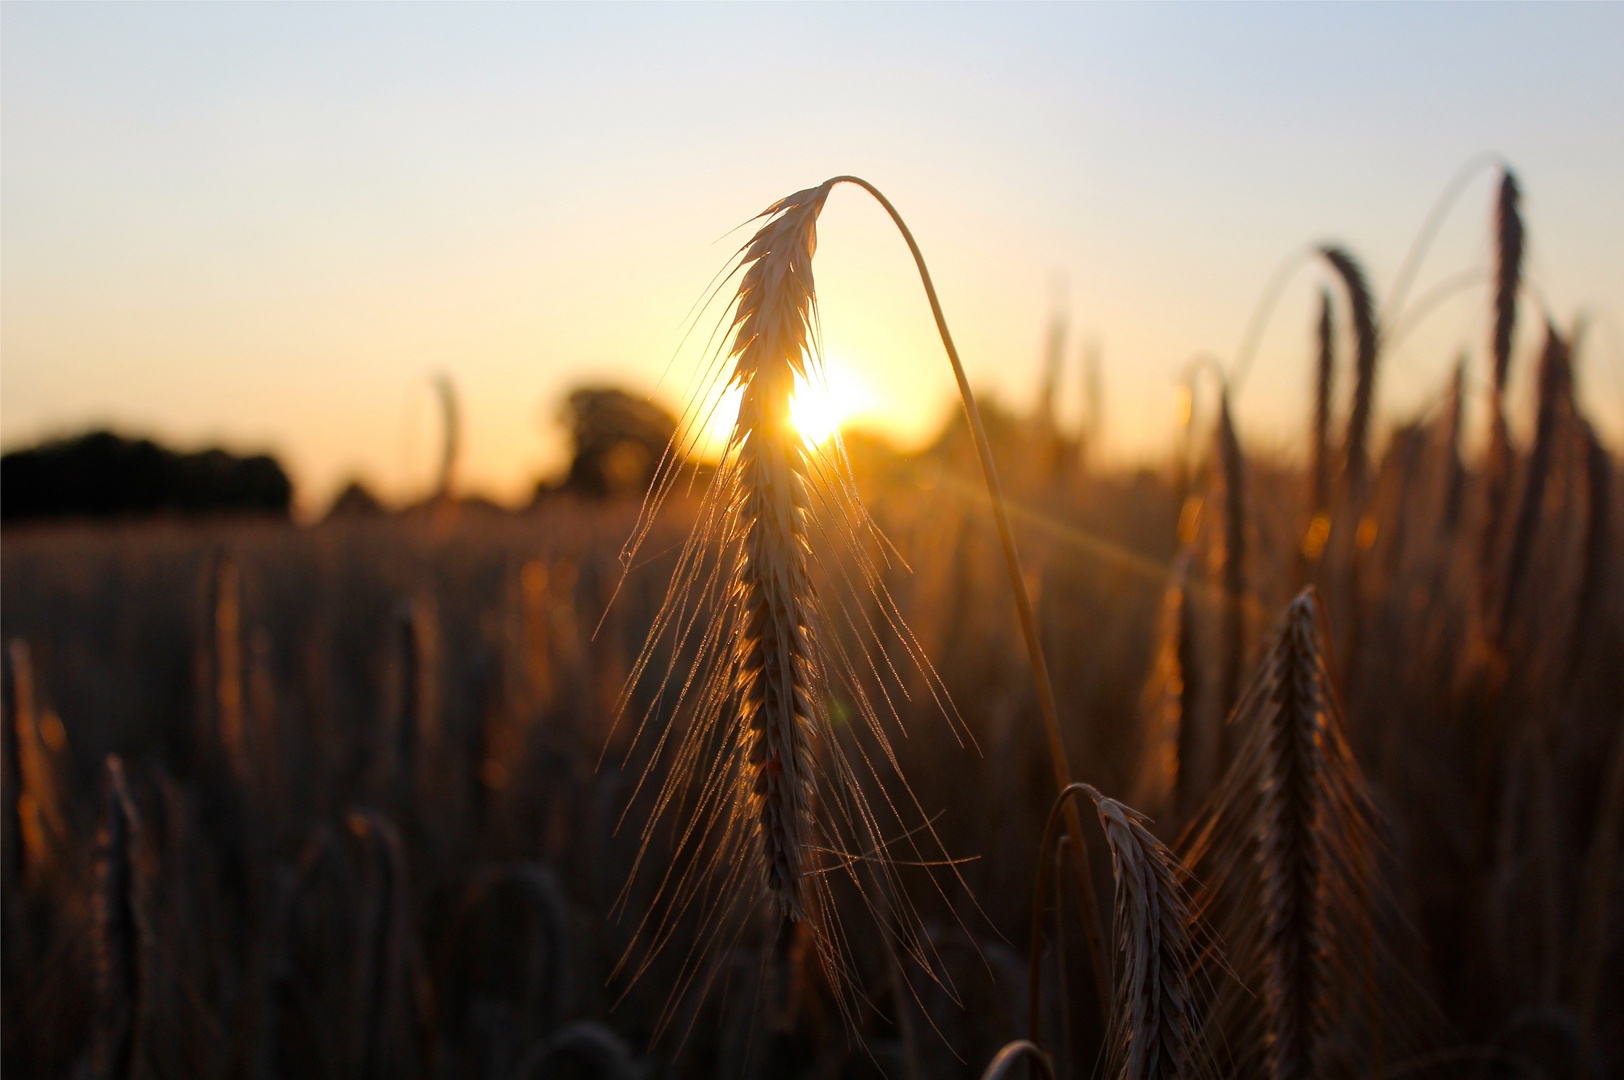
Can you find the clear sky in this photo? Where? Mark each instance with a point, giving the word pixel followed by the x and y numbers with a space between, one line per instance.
pixel 270 224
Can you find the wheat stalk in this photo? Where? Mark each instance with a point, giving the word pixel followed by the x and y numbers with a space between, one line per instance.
pixel 228 666
pixel 1012 1054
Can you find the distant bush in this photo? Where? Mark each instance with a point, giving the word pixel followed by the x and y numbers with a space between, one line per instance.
pixel 619 440
pixel 100 474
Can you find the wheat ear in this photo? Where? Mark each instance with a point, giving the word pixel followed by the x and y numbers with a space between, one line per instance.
pixel 1599 555
pixel 1324 371
pixel 745 776
pixel 1362 310
pixel 1234 568
pixel 1455 484
pixel 1292 855
pixel 40 743
pixel 774 653
pixel 1555 387
pixel 1285 856
pixel 1164 780
pixel 120 929
pixel 1156 1016
pixel 1508 236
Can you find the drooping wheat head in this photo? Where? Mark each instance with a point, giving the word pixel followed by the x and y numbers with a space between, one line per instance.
pixel 1158 1009
pixel 776 608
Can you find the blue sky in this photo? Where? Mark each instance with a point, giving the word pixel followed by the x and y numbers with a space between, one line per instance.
pixel 269 224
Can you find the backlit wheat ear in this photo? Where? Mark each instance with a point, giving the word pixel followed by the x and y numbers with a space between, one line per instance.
pixel 775 627
pixel 1294 852
pixel 773 654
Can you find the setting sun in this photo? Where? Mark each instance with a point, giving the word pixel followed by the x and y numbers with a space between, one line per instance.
pixel 820 407
pixel 823 403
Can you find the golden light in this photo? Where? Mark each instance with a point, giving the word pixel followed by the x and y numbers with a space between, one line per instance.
pixel 826 401
pixel 820 406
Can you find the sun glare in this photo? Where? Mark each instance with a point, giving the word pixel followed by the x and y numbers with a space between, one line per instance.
pixel 822 404
pixel 820 407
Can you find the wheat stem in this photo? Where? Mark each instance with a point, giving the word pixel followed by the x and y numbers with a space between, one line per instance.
pixel 1023 602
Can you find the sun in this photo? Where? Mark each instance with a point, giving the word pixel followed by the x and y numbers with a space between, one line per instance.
pixel 825 402
pixel 820 406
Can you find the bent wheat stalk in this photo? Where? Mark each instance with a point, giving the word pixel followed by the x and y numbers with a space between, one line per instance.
pixel 1058 759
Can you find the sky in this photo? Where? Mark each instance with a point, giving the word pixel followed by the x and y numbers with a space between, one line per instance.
pixel 270 226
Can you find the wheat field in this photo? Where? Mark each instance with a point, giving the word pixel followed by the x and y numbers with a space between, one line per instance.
pixel 1269 766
